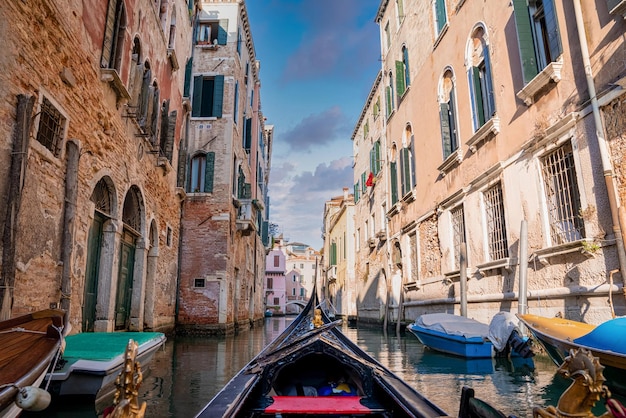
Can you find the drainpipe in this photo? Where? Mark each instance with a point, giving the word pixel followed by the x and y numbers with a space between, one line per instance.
pixel 522 303
pixel 602 145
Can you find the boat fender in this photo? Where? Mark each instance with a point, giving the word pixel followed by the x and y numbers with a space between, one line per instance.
pixel 31 398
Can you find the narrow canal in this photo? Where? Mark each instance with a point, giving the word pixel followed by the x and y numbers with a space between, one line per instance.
pixel 188 372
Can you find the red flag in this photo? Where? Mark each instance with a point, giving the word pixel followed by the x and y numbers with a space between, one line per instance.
pixel 370 180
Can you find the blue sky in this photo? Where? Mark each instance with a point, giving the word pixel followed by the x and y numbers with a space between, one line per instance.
pixel 318 59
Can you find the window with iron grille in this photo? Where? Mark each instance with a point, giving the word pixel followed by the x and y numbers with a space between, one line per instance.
pixel 562 196
pixel 496 225
pixel 458 234
pixel 51 127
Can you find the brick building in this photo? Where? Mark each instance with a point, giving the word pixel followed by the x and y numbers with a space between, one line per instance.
pixel 504 130
pixel 91 117
pixel 227 149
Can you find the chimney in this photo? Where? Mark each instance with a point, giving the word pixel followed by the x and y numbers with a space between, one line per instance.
pixel 345 193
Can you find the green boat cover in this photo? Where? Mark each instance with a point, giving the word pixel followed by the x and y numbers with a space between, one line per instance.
pixel 103 346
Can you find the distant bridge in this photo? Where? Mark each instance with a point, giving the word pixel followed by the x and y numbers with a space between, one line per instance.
pixel 300 303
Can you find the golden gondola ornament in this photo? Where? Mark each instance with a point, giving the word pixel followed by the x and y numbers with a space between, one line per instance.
pixel 126 401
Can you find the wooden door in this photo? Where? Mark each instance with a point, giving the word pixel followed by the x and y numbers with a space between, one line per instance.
pixel 125 282
pixel 92 271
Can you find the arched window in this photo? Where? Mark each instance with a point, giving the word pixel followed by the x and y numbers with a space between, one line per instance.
pixel 393 174
pixel 115 28
pixel 447 114
pixel 172 37
pixel 479 77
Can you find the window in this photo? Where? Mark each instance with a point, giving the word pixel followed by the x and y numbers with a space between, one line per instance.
pixel 447 115
pixel 389 93
pixel 537 34
pixel 407 166
pixel 387 36
pixel 202 170
pixel 293 291
pixel 208 93
pixel 212 32
pixel 562 196
pixel 376 109
pixel 51 128
pixel 293 279
pixel 198 283
pixel 496 225
pixel 393 175
pixel 375 158
pixel 172 35
pixel 441 16
pixel 239 40
pixel 363 181
pixel 458 234
pixel 270 283
pixel 168 236
pixel 414 257
pixel 301 265
pixel 276 301
pixel 114 30
pixel 366 129
pixel 403 79
pixel 480 82
pixel 301 292
pixel 276 261
pixel 399 11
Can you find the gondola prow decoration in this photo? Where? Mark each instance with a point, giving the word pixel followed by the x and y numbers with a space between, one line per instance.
pixel 126 400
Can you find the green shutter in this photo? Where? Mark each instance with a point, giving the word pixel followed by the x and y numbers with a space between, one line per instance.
pixel 405 164
pixel 400 9
pixel 491 104
pixel 247 144
pixel 394 182
pixel 209 172
pixel 363 181
pixel 479 108
pixel 218 96
pixel 356 192
pixel 372 161
pixel 188 68
pixel 222 32
pixel 452 121
pixel 400 86
pixel 525 40
pixel 411 153
pixel 196 101
pixel 552 27
pixel 405 61
pixel 389 98
pixel 441 15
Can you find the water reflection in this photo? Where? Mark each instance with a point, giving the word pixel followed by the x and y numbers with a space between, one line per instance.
pixel 188 372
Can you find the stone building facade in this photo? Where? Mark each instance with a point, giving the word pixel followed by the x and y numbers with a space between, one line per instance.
pixel 91 117
pixel 498 140
pixel 227 153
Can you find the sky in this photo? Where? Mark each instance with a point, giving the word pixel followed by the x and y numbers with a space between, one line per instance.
pixel 319 59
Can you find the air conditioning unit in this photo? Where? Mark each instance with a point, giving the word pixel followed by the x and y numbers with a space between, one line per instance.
pixel 332 272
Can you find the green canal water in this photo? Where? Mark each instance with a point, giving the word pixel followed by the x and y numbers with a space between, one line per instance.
pixel 188 372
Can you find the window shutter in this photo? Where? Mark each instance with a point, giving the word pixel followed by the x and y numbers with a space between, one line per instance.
pixel 389 103
pixel 405 60
pixel 218 96
pixel 405 166
pixel 188 68
pixel 372 161
pixel 411 153
pixel 196 101
pixel 441 15
pixel 445 130
pixel 491 104
pixel 222 32
pixel 400 9
pixel 479 108
pixel 356 192
pixel 400 86
pixel 525 40
pixel 452 121
pixel 168 147
pixel 552 27
pixel 377 157
pixel 394 182
pixel 109 33
pixel 154 116
pixel 165 121
pixel 363 181
pixel 135 90
pixel 209 170
pixel 146 122
pixel 182 165
pixel 144 97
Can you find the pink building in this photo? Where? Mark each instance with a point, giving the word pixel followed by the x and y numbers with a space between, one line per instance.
pixel 275 287
pixel 297 293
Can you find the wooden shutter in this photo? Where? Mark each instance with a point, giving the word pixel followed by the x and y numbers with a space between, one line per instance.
pixel 144 96
pixel 165 122
pixel 168 147
pixel 405 60
pixel 525 40
pixel 363 181
pixel 154 115
pixel 109 34
pixel 552 27
pixel 491 104
pixel 377 157
pixel 196 101
pixel 188 68
pixel 372 161
pixel 452 121
pixel 411 152
pixel 222 32
pixel 400 86
pixel 389 98
pixel 209 172
pixel 405 164
pixel 135 88
pixel 218 96
pixel 356 192
pixel 394 182
pixel 478 96
pixel 182 166
pixel 146 121
pixel 445 130
pixel 400 9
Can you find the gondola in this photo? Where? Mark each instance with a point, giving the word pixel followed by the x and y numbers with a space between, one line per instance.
pixel 313 369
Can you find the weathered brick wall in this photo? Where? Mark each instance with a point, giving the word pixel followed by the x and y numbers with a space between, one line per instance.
pixel 615 125
pixel 55 49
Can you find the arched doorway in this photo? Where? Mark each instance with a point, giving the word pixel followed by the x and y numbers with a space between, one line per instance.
pixel 131 217
pixel 102 197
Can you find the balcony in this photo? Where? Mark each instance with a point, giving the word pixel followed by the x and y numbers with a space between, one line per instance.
pixel 552 73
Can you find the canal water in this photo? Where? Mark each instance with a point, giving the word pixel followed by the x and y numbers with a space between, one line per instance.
pixel 188 372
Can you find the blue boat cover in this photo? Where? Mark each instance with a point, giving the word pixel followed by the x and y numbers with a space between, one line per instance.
pixel 453 325
pixel 608 336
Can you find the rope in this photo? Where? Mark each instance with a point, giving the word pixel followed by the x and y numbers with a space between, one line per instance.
pixel 56 359
pixel 20 329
